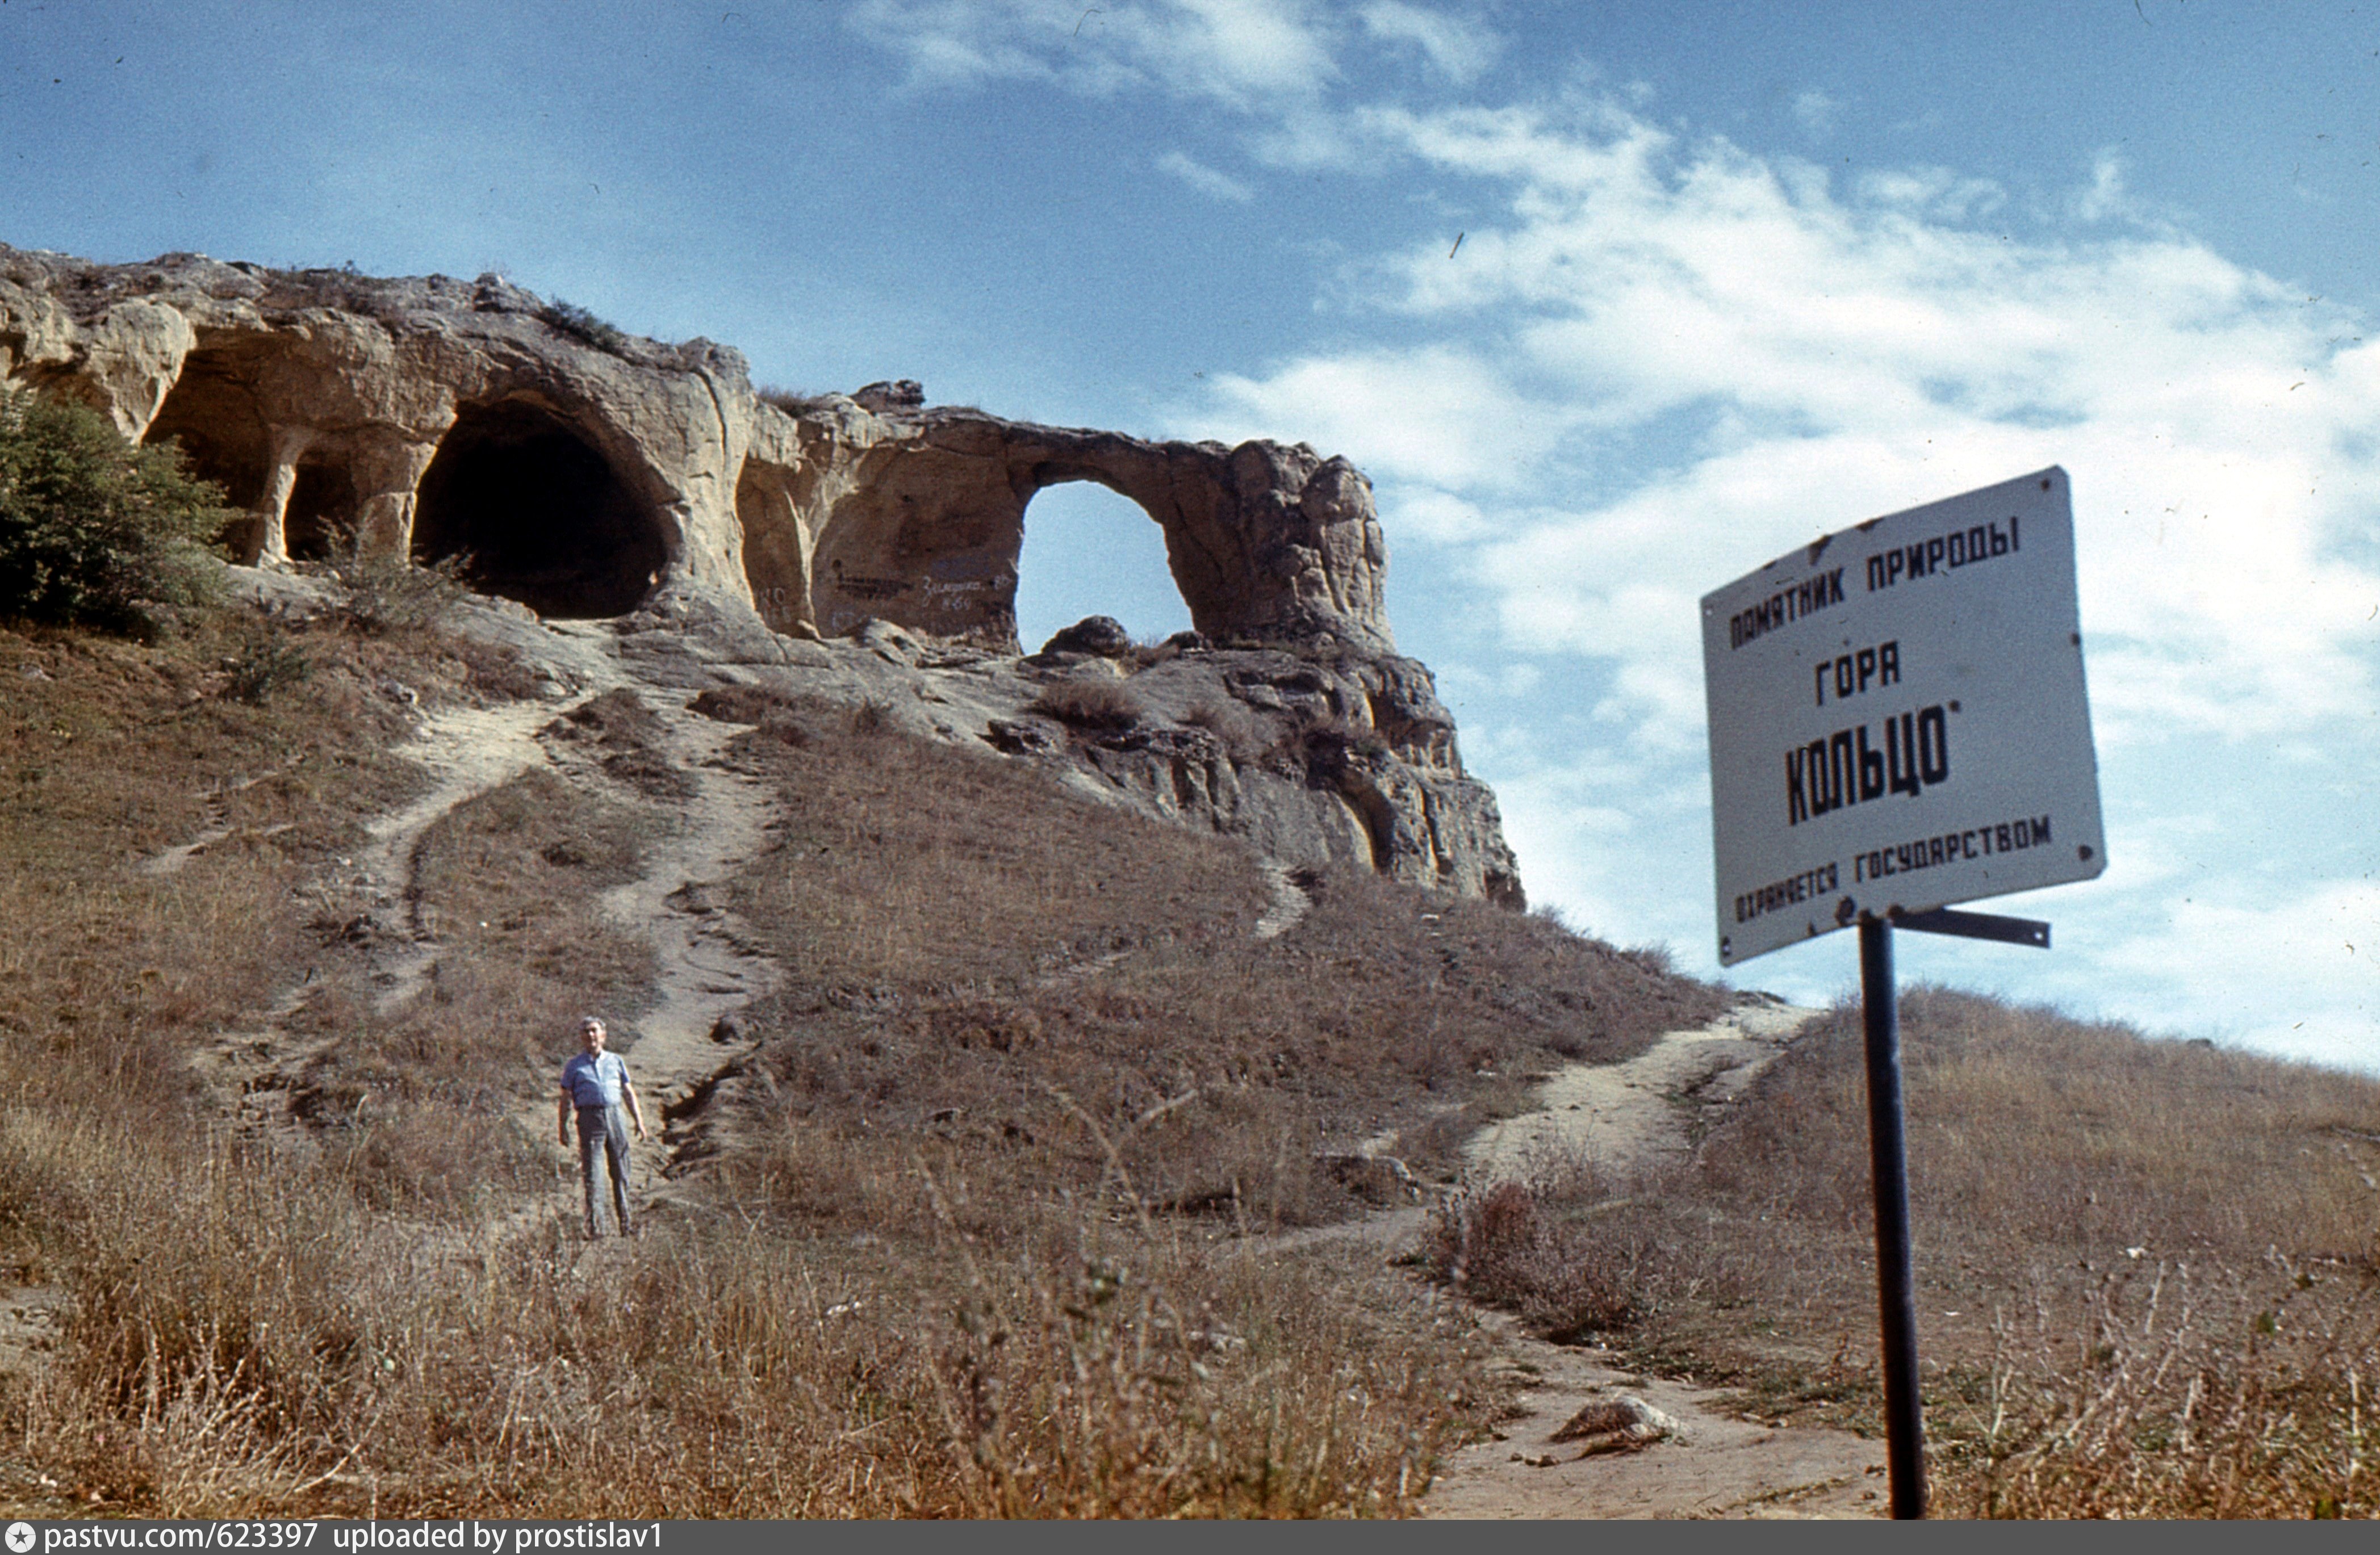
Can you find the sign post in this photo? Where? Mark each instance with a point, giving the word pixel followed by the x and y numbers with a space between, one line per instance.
pixel 1897 723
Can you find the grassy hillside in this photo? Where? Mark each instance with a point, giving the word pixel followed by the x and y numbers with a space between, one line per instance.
pixel 975 1225
pixel 2146 1269
pixel 969 1234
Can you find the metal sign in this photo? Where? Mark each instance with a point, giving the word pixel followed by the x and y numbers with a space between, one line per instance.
pixel 1898 719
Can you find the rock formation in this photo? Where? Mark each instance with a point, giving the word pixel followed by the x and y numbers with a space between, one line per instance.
pixel 588 474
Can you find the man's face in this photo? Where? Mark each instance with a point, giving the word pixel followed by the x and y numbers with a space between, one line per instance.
pixel 591 1033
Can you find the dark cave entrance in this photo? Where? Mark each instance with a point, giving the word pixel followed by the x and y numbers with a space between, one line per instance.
pixel 322 505
pixel 541 516
pixel 212 413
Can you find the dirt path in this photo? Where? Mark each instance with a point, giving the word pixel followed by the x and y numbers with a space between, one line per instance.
pixel 1708 1462
pixel 1289 902
pixel 683 1044
pixel 466 751
pixel 688 1041
pixel 1638 1116
pixel 1702 1461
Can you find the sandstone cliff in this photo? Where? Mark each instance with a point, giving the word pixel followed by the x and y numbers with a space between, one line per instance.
pixel 589 475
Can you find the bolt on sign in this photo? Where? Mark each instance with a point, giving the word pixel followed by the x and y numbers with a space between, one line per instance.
pixel 1898 719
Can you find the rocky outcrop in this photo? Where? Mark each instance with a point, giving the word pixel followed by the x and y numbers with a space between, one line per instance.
pixel 583 471
pixel 918 515
pixel 589 473
pixel 1311 758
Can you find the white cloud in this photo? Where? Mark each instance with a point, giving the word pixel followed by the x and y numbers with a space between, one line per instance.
pixel 1459 49
pixel 2107 196
pixel 1239 49
pixel 1936 192
pixel 1439 414
pixel 1427 513
pixel 1205 179
pixel 1260 56
pixel 1244 54
pixel 2216 963
pixel 1815 112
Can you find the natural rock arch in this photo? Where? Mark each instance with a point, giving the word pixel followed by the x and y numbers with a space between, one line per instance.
pixel 600 474
pixel 544 517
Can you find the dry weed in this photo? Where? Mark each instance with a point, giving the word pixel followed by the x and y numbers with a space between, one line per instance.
pixel 1102 705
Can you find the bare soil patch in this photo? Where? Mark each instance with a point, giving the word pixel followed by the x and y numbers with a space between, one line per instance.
pixel 1715 1463
pixel 1627 1122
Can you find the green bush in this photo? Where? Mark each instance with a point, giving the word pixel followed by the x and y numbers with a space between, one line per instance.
pixel 387 592
pixel 93 529
pixel 585 326
pixel 266 665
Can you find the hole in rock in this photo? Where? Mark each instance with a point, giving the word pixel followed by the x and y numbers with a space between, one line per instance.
pixel 212 413
pixel 544 517
pixel 1089 551
pixel 321 503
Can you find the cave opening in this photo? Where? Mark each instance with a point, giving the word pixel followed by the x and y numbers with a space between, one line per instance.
pixel 1088 551
pixel 212 413
pixel 537 515
pixel 322 505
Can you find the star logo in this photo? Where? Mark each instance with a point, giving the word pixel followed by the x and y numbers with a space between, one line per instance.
pixel 20 1537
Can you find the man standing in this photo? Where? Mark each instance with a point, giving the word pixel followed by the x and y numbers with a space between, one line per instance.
pixel 594 1084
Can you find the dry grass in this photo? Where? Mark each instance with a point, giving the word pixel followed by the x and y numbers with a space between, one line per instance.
pixel 1020 974
pixel 1241 731
pixel 249 1339
pixel 410 1102
pixel 1099 705
pixel 1029 1077
pixel 974 1246
pixel 793 401
pixel 2145 1271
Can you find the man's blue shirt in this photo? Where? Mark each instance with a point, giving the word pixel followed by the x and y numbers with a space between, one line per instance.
pixel 594 1079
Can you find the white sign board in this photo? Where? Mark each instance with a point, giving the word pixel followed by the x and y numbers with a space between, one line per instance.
pixel 1898 720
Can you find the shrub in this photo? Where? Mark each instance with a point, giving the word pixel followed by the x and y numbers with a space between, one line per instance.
pixel 92 529
pixel 1336 737
pixel 387 592
pixel 266 664
pixel 793 401
pixel 1511 1245
pixel 1089 704
pixel 1239 729
pixel 585 326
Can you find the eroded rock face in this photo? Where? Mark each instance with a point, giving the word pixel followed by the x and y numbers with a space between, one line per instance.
pixel 589 473
pixel 917 514
pixel 586 472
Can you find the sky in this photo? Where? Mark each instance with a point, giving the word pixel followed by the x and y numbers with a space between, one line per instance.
pixel 1614 303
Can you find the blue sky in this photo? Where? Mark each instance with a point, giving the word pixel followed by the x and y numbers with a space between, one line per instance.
pixel 1730 276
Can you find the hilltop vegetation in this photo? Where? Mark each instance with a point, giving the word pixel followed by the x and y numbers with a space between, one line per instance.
pixel 91 528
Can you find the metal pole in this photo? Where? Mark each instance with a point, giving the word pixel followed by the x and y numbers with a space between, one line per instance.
pixel 1889 1165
